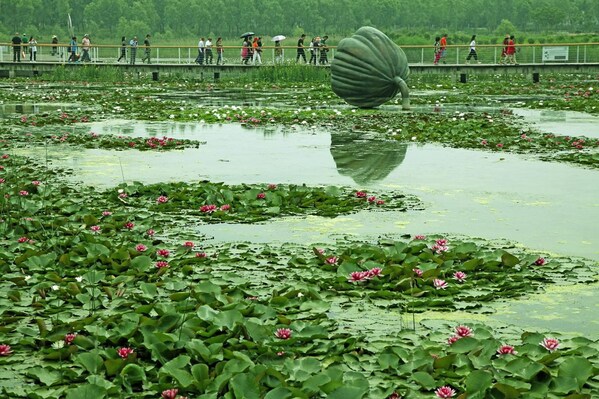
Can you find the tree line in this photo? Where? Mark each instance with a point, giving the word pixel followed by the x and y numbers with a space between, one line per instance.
pixel 175 19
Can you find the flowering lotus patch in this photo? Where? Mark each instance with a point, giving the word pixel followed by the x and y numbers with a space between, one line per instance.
pixel 165 253
pixel 124 352
pixel 506 350
pixel 170 393
pixel 283 333
pixel 551 344
pixel 208 208
pixel 331 260
pixel 460 276
pixel 540 261
pixel 5 350
pixel 445 392
pixel 161 264
pixel 463 331
pixel 68 338
pixel 440 284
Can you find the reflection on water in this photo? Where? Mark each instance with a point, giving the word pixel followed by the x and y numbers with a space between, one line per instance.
pixel 365 159
pixel 33 108
pixel 566 123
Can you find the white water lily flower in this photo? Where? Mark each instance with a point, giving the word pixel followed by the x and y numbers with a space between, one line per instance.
pixel 55 287
pixel 58 344
pixel 79 279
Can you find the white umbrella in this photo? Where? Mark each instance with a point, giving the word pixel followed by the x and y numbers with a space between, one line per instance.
pixel 278 38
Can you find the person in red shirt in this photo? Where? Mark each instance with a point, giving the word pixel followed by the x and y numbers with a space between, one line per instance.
pixel 511 51
pixel 443 46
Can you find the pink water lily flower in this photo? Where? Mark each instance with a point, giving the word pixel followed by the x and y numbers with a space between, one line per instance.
pixel 372 198
pixel 272 186
pixel 260 196
pixel 5 350
pixel 208 208
pixel 22 239
pixel 440 284
pixel 188 244
pixel 417 272
pixel 170 393
pixel 161 264
pixel 36 182
pixel 358 276
pixel 551 344
pixel 463 331
pixel 283 333
pixel 419 237
pixel 380 202
pixel 106 213
pixel 361 194
pixel 506 350
pixel 165 253
pixel 124 352
pixel 140 248
pixel 95 229
pixel 332 260
pixel 150 232
pixel 129 225
pixel 225 207
pixel 68 338
pixel 445 392
pixel 460 276
pixel 375 272
pixel 201 255
pixel 540 261
pixel 162 199
pixel 23 193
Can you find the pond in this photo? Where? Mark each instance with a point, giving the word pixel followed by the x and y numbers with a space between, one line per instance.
pixel 545 206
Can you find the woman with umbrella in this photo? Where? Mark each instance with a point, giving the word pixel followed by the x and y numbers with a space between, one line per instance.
pixel 246 49
pixel 278 50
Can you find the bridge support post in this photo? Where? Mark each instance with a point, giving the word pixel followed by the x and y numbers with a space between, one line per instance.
pixel 535 77
pixel 463 78
pixel 11 73
pixel 155 76
pixel 216 76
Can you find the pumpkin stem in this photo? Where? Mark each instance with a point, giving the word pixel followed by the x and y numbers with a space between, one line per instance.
pixel 405 95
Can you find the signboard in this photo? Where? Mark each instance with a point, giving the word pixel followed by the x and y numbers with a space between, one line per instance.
pixel 555 53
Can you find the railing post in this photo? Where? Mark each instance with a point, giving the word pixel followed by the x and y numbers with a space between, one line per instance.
pixel 585 54
pixel 457 55
pixel 577 54
pixel 422 56
pixel 158 55
pixel 534 54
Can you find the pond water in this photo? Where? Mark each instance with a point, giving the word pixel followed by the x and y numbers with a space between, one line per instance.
pixel 543 206
pixel 564 123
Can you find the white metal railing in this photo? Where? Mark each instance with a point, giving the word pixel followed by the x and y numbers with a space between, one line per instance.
pixel 455 54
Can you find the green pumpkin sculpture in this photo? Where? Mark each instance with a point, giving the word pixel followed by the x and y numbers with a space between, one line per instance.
pixel 369 69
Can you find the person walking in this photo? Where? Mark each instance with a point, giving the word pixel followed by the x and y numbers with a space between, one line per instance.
pixel 323 50
pixel 472 50
pixel 32 49
pixel 300 48
pixel 443 47
pixel 437 50
pixel 147 51
pixel 503 57
pixel 73 50
pixel 256 48
pixel 201 49
pixel 219 51
pixel 278 52
pixel 85 46
pixel 54 45
pixel 511 51
pixel 123 50
pixel 16 47
pixel 208 49
pixel 312 51
pixel 133 52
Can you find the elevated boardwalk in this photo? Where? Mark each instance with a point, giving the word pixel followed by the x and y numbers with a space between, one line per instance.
pixel 155 70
